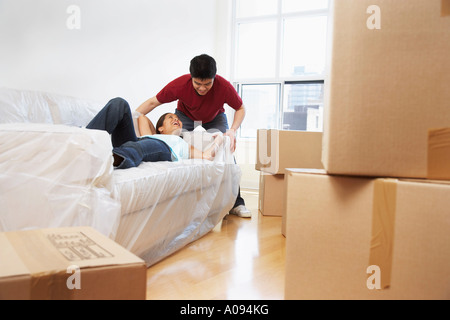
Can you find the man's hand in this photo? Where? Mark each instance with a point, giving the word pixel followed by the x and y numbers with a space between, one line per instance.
pixel 237 120
pixel 232 134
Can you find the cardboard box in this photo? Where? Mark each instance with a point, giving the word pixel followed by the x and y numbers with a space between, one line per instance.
pixel 341 227
pixel 388 85
pixel 272 194
pixel 68 263
pixel 277 150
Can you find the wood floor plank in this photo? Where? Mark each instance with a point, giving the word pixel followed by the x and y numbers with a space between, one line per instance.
pixel 240 259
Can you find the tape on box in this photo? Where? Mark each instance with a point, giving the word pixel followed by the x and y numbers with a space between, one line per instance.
pixel 439 154
pixel 445 8
pixel 383 222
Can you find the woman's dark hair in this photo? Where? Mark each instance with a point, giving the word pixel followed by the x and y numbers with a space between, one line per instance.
pixel 203 67
pixel 161 121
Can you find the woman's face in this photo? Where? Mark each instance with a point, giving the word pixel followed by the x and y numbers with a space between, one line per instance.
pixel 171 125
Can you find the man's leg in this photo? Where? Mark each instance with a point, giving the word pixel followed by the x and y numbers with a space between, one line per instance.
pixel 220 123
pixel 116 119
pixel 188 123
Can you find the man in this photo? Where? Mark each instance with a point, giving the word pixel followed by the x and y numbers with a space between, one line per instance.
pixel 201 97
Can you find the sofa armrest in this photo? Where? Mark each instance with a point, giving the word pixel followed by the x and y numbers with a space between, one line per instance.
pixel 54 175
pixel 70 154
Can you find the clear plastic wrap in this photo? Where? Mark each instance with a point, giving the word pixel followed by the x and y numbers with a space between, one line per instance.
pixel 166 205
pixel 21 106
pixel 55 175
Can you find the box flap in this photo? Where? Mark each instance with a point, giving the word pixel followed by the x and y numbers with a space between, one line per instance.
pixel 38 264
pixel 54 250
pixel 306 170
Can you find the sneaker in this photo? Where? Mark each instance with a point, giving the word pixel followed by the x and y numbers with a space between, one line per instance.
pixel 241 211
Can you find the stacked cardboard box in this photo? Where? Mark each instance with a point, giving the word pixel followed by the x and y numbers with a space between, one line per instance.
pixel 68 264
pixel 277 150
pixel 373 224
pixel 342 227
pixel 387 87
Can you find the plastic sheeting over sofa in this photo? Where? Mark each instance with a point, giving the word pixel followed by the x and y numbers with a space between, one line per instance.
pixel 56 174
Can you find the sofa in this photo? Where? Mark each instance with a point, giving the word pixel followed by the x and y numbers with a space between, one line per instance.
pixel 56 173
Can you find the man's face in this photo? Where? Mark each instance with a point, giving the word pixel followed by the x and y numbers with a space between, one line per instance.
pixel 202 86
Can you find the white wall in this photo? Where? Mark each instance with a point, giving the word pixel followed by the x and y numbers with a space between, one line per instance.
pixel 124 48
pixel 127 48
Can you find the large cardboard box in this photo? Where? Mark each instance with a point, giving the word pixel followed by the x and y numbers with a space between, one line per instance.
pixel 388 85
pixel 272 194
pixel 348 236
pixel 68 263
pixel 277 150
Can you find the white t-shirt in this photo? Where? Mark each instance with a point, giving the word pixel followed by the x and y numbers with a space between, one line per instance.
pixel 179 147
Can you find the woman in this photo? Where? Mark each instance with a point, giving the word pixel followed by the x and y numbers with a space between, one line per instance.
pixel 168 129
pixel 129 150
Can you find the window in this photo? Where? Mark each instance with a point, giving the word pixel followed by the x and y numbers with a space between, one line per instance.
pixel 303 106
pixel 262 101
pixel 304 46
pixel 279 63
pixel 257 38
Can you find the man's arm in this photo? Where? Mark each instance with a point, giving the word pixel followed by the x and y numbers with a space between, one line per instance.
pixel 148 105
pixel 239 116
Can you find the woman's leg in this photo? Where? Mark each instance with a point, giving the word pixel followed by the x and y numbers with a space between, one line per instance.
pixel 116 119
pixel 134 152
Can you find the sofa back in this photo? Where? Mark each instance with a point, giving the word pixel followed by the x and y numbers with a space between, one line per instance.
pixel 22 106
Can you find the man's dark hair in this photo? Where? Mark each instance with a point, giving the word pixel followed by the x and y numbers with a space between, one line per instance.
pixel 203 67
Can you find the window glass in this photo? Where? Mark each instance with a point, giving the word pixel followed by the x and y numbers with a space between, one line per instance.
pixel 254 8
pixel 261 103
pixel 303 106
pixel 303 5
pixel 256 52
pixel 304 46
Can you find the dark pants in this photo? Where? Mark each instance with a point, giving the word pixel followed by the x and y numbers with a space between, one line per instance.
pixel 117 120
pixel 218 123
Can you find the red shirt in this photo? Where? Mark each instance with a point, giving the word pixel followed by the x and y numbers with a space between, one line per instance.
pixel 196 107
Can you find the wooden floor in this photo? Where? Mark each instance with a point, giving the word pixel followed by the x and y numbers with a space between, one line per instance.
pixel 240 259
